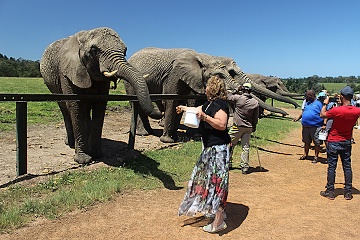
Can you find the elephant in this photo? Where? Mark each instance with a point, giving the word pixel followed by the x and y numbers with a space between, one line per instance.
pixel 86 63
pixel 273 84
pixel 175 71
pixel 182 71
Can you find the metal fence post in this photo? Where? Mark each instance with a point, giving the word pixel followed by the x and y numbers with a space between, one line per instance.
pixel 135 112
pixel 21 138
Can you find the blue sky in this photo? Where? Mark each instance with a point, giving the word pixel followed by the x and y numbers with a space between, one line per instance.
pixel 283 38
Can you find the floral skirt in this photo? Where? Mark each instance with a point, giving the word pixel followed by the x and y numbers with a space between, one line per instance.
pixel 208 186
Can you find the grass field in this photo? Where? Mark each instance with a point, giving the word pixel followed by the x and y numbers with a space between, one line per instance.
pixel 66 192
pixel 333 87
pixel 38 112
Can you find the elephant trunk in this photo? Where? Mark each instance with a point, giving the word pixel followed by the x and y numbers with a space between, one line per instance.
pixel 132 75
pixel 289 94
pixel 263 91
pixel 268 107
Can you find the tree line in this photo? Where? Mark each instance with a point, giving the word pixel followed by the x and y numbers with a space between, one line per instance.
pixel 300 85
pixel 11 67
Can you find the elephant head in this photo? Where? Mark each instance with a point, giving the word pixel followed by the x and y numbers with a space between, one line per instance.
pixel 99 55
pixel 194 69
pixel 274 84
pixel 241 78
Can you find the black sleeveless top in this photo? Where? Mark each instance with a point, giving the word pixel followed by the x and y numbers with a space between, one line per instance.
pixel 211 136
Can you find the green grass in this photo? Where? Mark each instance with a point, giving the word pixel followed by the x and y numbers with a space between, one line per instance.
pixel 80 189
pixel 38 112
pixel 333 87
pixel 279 104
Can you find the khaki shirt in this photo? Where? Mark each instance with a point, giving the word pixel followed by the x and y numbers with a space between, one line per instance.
pixel 246 112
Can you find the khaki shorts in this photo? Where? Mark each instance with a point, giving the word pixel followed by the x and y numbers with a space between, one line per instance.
pixel 311 134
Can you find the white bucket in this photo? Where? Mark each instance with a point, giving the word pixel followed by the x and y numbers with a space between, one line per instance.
pixel 191 120
pixel 322 135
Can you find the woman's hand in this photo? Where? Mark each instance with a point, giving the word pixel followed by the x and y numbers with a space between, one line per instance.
pixel 179 109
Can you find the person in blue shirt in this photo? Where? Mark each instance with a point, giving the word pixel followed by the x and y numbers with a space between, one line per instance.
pixel 311 125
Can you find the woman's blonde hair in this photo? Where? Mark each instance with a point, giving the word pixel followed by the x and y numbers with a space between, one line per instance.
pixel 215 88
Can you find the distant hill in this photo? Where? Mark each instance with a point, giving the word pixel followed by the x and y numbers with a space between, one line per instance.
pixel 11 67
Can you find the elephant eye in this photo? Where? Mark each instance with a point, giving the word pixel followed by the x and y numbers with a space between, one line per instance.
pixel 94 50
pixel 232 73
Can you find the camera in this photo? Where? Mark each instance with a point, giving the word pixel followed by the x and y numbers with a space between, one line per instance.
pixel 333 99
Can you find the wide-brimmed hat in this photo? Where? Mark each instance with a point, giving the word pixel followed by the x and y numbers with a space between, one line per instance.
pixel 247 86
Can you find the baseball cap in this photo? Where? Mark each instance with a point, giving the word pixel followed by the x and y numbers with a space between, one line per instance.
pixel 347 91
pixel 321 94
pixel 247 85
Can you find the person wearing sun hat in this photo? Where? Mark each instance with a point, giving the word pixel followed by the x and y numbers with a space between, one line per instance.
pixel 245 119
pixel 339 141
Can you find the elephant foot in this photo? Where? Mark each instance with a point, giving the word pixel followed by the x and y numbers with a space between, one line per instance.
pixel 166 139
pixel 144 131
pixel 82 158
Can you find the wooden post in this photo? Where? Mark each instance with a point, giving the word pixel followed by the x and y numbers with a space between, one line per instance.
pixel 135 112
pixel 21 138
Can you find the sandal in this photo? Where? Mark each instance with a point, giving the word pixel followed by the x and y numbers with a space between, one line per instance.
pixel 303 157
pixel 210 229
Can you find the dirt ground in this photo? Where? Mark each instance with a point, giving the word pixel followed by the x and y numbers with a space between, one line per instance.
pixel 279 201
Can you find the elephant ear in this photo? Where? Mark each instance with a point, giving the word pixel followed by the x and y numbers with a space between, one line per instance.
pixel 71 64
pixel 189 69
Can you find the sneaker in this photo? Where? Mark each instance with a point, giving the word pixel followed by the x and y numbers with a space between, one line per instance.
pixel 348 195
pixel 245 171
pixel 210 229
pixel 315 160
pixel 328 194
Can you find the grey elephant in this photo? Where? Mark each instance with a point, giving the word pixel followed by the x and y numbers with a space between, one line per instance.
pixel 86 63
pixel 183 72
pixel 273 84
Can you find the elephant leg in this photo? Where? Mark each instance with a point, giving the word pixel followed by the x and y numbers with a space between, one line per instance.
pixel 161 107
pixel 80 116
pixel 143 127
pixel 97 122
pixel 172 122
pixel 70 139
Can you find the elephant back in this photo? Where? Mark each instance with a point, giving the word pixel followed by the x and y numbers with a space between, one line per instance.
pixel 49 66
pixel 149 60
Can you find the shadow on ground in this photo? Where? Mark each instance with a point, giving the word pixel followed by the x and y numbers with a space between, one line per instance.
pixel 116 154
pixel 236 215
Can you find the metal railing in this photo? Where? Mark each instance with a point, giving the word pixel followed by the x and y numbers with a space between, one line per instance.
pixel 21 115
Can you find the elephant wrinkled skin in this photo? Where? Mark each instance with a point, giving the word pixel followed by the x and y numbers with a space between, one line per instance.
pixel 183 71
pixel 177 71
pixel 273 84
pixel 86 63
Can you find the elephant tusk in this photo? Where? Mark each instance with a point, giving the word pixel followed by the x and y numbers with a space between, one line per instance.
pixel 146 75
pixel 110 74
